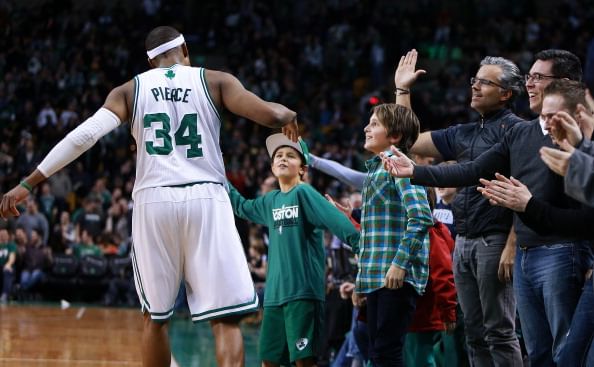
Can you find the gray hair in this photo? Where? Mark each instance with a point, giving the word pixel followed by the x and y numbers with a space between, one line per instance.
pixel 510 77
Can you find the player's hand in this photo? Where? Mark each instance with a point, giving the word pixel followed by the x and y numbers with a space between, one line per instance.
pixel 507 192
pixel 398 165
pixel 395 277
pixel 406 75
pixel 557 160
pixel 291 130
pixel 10 200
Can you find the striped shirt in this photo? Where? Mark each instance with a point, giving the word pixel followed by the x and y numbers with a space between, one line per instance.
pixel 395 221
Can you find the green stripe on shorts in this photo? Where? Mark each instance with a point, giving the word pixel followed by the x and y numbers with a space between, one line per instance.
pixel 137 273
pixel 246 307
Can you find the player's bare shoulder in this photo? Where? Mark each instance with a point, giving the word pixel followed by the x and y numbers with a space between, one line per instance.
pixel 120 100
pixel 215 81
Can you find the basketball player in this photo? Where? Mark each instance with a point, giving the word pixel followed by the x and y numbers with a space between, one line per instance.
pixel 181 211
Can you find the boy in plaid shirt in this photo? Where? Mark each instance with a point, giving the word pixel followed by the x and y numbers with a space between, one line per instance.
pixel 394 247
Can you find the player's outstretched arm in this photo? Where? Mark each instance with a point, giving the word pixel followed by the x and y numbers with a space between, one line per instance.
pixel 78 141
pixel 233 96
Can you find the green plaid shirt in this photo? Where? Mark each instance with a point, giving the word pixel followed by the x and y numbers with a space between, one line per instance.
pixel 395 221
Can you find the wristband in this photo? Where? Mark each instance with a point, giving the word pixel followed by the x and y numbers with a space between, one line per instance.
pixel 401 91
pixel 26 185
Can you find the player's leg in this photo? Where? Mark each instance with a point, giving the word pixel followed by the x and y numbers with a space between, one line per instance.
pixel 228 342
pixel 217 277
pixel 155 343
pixel 156 259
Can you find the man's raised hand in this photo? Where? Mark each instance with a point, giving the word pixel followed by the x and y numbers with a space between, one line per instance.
pixel 406 75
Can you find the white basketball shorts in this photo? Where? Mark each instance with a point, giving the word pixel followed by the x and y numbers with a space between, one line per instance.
pixel 188 234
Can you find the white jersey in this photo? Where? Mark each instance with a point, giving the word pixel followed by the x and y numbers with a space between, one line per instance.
pixel 177 129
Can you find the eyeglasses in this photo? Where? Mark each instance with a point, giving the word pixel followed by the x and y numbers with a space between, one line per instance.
pixel 482 81
pixel 537 78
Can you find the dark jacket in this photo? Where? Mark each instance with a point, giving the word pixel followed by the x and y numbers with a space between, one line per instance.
pixel 579 181
pixel 473 214
pixel 517 154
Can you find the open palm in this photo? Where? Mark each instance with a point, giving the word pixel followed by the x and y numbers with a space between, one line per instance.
pixel 406 75
pixel 398 165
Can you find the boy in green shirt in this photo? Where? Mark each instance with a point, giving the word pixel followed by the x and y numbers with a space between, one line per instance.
pixel 8 251
pixel 296 216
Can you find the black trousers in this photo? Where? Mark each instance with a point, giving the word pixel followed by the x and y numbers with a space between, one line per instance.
pixel 389 313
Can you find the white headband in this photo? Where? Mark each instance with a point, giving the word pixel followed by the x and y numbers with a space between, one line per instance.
pixel 166 47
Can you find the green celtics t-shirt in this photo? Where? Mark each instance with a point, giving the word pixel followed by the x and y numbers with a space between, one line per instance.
pixel 296 221
pixel 5 250
pixel 81 250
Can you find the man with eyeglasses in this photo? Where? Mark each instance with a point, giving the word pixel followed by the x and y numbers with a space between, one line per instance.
pixel 483 262
pixel 549 269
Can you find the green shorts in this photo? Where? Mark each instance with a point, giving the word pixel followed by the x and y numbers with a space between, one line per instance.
pixel 292 331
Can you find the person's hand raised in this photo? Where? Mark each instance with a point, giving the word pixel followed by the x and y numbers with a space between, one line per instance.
pixel 406 75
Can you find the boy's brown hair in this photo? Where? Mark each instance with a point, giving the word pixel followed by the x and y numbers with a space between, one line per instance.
pixel 399 121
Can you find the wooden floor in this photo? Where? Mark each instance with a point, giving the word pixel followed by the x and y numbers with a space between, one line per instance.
pixel 46 335
pixel 76 336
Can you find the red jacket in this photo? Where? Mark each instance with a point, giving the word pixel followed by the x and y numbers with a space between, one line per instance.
pixel 438 304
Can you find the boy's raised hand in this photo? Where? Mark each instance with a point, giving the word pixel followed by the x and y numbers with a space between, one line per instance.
pixel 406 75
pixel 346 209
pixel 398 165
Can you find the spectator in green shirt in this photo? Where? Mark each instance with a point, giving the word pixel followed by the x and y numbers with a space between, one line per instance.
pixel 7 260
pixel 296 216
pixel 86 247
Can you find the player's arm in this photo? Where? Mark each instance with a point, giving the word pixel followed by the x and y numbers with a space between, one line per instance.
pixel 234 97
pixel 115 109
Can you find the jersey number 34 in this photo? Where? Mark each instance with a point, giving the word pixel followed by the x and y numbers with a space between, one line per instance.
pixel 186 134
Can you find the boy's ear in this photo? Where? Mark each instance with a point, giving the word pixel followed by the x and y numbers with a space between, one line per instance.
pixel 394 140
pixel 302 170
pixel 303 173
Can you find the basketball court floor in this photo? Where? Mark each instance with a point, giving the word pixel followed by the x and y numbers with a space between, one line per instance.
pixel 47 335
